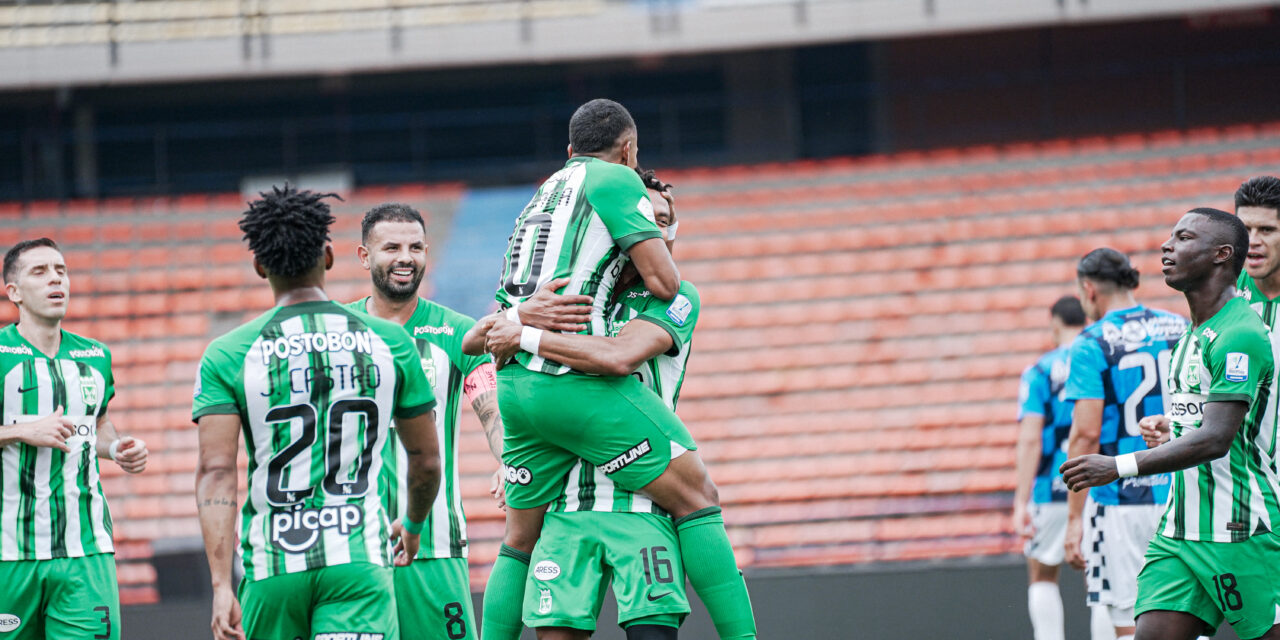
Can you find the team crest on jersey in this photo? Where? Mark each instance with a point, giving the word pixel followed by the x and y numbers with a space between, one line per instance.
pixel 429 368
pixel 679 310
pixel 1244 293
pixel 1190 374
pixel 89 390
pixel 1237 367
pixel 544 601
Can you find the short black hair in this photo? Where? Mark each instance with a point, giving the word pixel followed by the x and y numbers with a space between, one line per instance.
pixel 12 255
pixel 287 229
pixel 1259 191
pixel 389 212
pixel 651 180
pixel 1231 230
pixel 1108 265
pixel 597 125
pixel 1068 310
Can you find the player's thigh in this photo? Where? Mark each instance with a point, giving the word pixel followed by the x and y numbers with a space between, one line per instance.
pixel 22 610
pixel 566 581
pixel 355 600
pixel 433 600
pixel 1046 546
pixel 648 575
pixel 535 465
pixel 1169 582
pixel 277 607
pixel 1240 578
pixel 82 598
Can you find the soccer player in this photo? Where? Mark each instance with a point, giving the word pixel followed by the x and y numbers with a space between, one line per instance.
pixel 433 594
pixel 56 554
pixel 584 223
pixel 315 387
pixel 596 532
pixel 1215 552
pixel 1119 367
pixel 1258 207
pixel 1039 501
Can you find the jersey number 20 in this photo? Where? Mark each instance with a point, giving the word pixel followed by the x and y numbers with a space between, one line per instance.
pixel 356 483
pixel 1155 370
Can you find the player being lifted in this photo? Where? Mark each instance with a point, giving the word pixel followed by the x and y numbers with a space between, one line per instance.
pixel 317 386
pixel 596 532
pixel 584 223
pixel 433 595
pixel 56 554
pixel 1215 552
pixel 1039 502
pixel 1119 366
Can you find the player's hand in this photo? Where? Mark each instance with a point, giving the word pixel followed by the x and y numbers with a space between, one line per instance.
pixel 551 311
pixel 226 615
pixel 50 431
pixel 406 544
pixel 131 454
pixel 1074 555
pixel 1156 430
pixel 1022 526
pixel 498 488
pixel 504 340
pixel 1093 470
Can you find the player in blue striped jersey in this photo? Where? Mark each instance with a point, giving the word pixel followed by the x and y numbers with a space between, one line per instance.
pixel 1119 371
pixel 1039 502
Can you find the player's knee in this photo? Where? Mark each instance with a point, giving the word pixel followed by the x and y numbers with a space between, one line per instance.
pixel 524 526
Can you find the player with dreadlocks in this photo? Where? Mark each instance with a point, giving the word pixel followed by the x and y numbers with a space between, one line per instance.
pixel 315 386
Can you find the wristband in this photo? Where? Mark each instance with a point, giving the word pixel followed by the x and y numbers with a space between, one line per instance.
pixel 513 314
pixel 412 527
pixel 530 338
pixel 1127 465
pixel 113 449
pixel 671 230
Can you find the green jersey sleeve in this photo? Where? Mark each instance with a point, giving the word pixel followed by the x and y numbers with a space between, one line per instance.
pixel 676 317
pixel 109 379
pixel 1237 360
pixel 214 392
pixel 618 196
pixel 414 396
pixel 461 324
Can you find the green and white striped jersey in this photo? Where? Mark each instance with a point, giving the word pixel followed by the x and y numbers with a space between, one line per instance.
pixel 586 487
pixel 1225 359
pixel 579 225
pixel 1267 309
pixel 437 331
pixel 316 386
pixel 53 505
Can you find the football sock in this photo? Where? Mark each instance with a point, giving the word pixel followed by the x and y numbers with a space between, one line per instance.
pixel 650 632
pixel 1125 638
pixel 504 596
pixel 713 571
pixel 1044 603
pixel 1100 627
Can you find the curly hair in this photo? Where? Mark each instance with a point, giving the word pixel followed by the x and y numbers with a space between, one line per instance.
pixel 287 229
pixel 651 180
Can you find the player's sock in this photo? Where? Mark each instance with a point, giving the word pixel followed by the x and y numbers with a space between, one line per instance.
pixel 713 571
pixel 650 632
pixel 1100 626
pixel 1128 637
pixel 504 596
pixel 1044 603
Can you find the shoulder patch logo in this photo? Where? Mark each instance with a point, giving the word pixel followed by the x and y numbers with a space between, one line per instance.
pixel 1237 367
pixel 679 310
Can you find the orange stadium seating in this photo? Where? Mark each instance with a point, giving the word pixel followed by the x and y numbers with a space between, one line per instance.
pixel 855 367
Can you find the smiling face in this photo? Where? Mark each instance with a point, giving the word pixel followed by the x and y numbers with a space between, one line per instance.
pixel 40 287
pixel 396 256
pixel 1189 255
pixel 1263 259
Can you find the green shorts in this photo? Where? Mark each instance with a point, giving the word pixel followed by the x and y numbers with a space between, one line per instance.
pixel 580 552
pixel 550 421
pixel 433 598
pixel 327 603
pixel 60 598
pixel 1213 581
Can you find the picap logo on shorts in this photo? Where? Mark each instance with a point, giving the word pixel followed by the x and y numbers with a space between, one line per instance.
pixel 519 475
pixel 546 570
pixel 9 622
pixel 349 635
pixel 299 530
pixel 631 455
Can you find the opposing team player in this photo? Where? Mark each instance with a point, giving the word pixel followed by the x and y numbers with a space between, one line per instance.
pixel 433 594
pixel 317 386
pixel 584 223
pixel 1215 554
pixel 1119 366
pixel 56 554
pixel 1039 501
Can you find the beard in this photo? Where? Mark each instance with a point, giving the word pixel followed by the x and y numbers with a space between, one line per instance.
pixel 396 291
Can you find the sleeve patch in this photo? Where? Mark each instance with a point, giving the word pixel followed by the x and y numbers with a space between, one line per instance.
pixel 1237 367
pixel 679 310
pixel 481 381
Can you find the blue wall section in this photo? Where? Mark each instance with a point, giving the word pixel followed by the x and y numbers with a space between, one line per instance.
pixel 467 267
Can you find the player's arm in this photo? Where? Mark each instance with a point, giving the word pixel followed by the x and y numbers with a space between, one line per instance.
pixel 422 449
pixel 50 431
pixel 1084 386
pixel 481 388
pixel 218 437
pixel 1030 429
pixel 127 451
pixel 620 199
pixel 546 309
pixel 637 343
pixel 658 270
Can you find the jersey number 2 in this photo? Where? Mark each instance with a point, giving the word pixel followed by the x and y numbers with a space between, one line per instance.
pixel 1153 372
pixel 338 481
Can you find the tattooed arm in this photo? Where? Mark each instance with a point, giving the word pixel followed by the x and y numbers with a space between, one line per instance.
pixel 216 500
